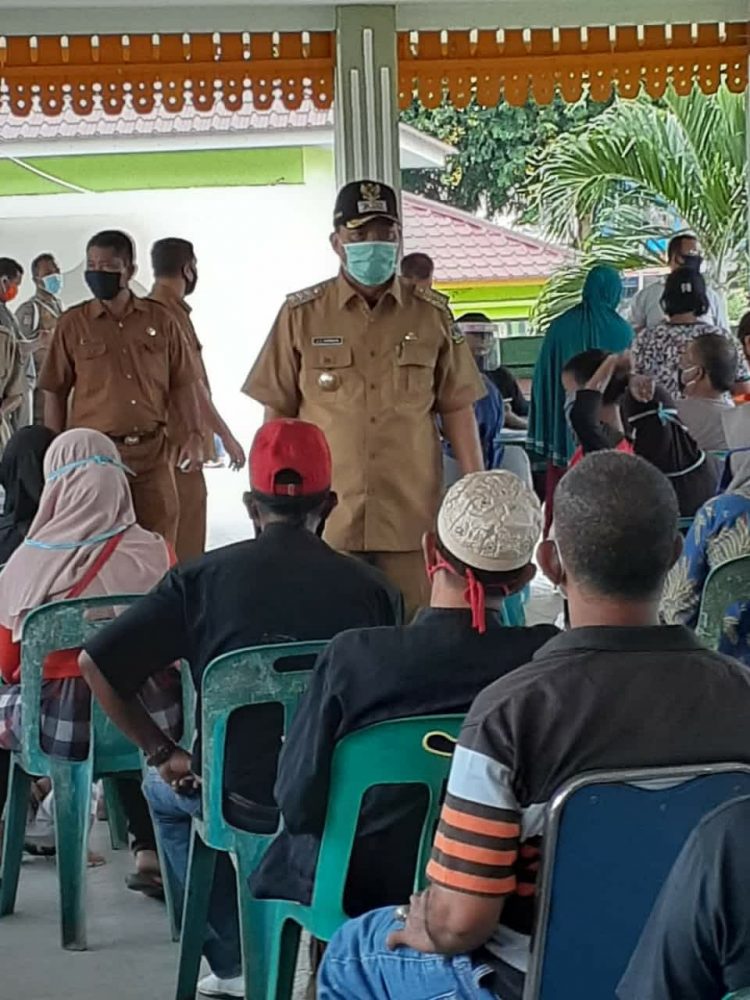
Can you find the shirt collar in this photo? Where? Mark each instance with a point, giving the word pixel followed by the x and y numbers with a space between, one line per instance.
pixel 622 639
pixel 456 616
pixel 166 296
pixel 346 292
pixel 96 308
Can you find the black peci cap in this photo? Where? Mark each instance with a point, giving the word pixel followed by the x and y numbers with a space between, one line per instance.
pixel 360 201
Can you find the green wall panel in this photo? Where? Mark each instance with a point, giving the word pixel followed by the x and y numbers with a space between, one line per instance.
pixel 149 171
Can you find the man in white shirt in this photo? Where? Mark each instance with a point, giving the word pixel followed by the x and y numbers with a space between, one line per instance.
pixel 646 311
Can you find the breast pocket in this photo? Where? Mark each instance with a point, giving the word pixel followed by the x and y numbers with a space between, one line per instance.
pixel 153 356
pixel 415 374
pixel 90 350
pixel 328 374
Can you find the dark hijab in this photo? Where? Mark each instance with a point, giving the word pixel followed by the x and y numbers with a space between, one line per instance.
pixel 22 478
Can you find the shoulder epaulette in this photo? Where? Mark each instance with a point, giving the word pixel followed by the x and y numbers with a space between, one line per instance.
pixel 306 294
pixel 436 299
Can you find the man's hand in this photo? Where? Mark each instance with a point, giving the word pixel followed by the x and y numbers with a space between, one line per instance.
pixel 176 768
pixel 414 932
pixel 190 458
pixel 235 451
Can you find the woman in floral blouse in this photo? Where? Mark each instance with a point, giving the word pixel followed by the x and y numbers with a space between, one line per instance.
pixel 658 350
pixel 720 532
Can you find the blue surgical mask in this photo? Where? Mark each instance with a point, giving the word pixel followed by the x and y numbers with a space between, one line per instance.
pixel 371 263
pixel 53 283
pixel 63 470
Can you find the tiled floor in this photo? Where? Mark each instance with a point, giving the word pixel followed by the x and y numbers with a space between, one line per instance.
pixel 130 956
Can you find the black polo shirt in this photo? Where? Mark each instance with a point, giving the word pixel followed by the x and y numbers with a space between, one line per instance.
pixel 438 664
pixel 696 945
pixel 591 699
pixel 287 585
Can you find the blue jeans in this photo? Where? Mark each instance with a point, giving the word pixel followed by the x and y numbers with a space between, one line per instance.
pixel 172 814
pixel 359 966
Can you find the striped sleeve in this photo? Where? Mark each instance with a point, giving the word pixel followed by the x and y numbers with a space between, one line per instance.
pixel 477 842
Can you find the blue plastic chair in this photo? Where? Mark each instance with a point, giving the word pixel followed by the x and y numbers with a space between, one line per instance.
pixel 63 625
pixel 235 680
pixel 388 753
pixel 610 840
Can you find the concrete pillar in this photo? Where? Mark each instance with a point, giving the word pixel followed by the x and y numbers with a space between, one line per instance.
pixel 366 99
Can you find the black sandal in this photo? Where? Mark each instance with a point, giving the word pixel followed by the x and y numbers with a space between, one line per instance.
pixel 149 884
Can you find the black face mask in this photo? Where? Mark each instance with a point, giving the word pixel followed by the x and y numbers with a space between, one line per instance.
pixel 104 285
pixel 190 283
pixel 693 261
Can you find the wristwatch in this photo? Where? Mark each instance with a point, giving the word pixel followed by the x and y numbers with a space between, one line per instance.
pixel 162 754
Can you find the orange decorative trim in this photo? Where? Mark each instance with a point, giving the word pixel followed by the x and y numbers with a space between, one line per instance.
pixel 144 69
pixel 517 64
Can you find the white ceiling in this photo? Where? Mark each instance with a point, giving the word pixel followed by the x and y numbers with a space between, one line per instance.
pixel 85 16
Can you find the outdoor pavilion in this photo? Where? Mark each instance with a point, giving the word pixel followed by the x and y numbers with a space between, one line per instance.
pixel 366 58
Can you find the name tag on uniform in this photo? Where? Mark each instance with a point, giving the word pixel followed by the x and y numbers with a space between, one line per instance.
pixel 327 341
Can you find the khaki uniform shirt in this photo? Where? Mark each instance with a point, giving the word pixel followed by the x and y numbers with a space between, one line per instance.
pixel 180 311
pixel 121 372
pixel 36 318
pixel 373 381
pixel 13 381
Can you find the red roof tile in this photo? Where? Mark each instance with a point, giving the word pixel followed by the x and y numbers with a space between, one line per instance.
pixel 466 248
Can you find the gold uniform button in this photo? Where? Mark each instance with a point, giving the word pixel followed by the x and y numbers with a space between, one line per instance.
pixel 328 382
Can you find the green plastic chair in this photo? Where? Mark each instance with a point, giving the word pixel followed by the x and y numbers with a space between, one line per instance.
pixel 726 584
pixel 739 995
pixel 384 754
pixel 234 680
pixel 63 625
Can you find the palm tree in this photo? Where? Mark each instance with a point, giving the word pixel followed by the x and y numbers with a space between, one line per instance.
pixel 616 188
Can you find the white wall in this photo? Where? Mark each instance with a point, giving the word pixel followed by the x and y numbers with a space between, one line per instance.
pixel 254 245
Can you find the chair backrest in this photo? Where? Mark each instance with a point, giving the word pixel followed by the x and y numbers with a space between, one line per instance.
pixel 245 677
pixel 520 354
pixel 68 625
pixel 610 840
pixel 739 995
pixel 388 753
pixel 726 585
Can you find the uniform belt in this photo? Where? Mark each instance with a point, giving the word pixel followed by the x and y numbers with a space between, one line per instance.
pixel 133 439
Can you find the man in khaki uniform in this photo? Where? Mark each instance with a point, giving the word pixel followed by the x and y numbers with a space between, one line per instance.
pixel 14 386
pixel 373 361
pixel 125 361
pixel 37 318
pixel 176 275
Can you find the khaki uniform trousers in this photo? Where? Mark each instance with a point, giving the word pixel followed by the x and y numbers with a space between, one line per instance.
pixel 406 571
pixel 191 526
pixel 153 485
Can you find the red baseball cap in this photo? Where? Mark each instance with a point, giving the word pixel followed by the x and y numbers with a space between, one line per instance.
pixel 290 445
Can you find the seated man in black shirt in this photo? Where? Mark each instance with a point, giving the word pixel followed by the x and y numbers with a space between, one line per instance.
pixel 488 527
pixel 696 944
pixel 616 691
pixel 286 585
